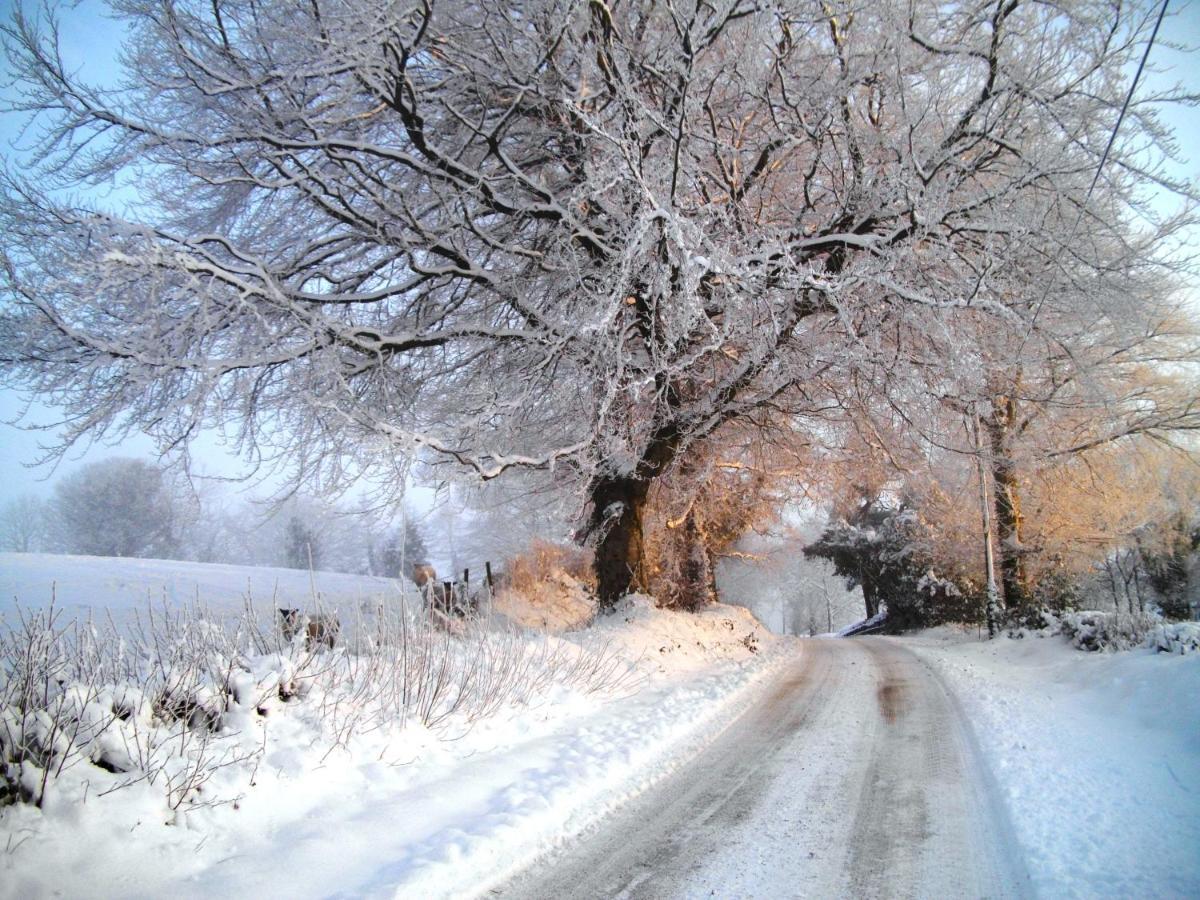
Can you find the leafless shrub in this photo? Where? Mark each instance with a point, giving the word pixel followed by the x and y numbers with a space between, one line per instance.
pixel 411 670
pixel 528 571
pixel 54 704
pixel 165 700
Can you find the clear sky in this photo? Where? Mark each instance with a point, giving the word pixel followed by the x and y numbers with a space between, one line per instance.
pixel 90 43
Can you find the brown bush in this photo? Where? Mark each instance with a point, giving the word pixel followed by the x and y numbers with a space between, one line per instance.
pixel 545 559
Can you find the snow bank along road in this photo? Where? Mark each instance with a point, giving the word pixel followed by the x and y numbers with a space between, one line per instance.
pixel 855 775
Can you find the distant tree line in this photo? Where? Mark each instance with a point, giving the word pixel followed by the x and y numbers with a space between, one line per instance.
pixel 131 508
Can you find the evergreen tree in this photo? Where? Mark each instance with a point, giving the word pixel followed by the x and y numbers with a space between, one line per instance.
pixel 399 550
pixel 302 547
pixel 1168 567
pixel 886 550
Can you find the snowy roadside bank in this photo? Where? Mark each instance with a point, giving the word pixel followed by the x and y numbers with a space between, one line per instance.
pixel 403 810
pixel 1096 755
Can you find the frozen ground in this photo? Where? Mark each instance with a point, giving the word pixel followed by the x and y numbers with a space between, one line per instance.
pixel 1077 776
pixel 1096 757
pixel 732 764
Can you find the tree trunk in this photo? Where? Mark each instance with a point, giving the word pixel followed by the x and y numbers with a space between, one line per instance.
pixel 618 505
pixel 714 592
pixel 869 596
pixel 1009 520
pixel 697 584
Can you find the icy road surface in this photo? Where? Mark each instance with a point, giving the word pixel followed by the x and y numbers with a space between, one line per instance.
pixel 855 776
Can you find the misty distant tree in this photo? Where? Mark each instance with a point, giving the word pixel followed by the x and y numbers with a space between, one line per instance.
pixel 213 531
pixel 773 577
pixel 395 553
pixel 570 236
pixel 115 507
pixel 23 524
pixel 247 531
pixel 302 545
pixel 414 547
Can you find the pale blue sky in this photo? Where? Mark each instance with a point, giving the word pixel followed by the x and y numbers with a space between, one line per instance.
pixel 90 42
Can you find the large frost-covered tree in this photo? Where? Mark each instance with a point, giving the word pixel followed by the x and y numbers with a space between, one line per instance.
pixel 1114 369
pixel 563 234
pixel 1074 406
pixel 116 507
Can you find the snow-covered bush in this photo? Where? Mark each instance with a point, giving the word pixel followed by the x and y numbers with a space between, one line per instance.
pixel 1175 637
pixel 548 586
pixel 144 704
pixel 1057 591
pixel 1093 630
pixel 544 561
pixel 556 602
pixel 179 696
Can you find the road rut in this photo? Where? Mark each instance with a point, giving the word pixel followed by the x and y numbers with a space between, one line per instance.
pixel 853 775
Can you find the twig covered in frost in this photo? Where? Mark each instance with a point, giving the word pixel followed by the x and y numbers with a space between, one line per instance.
pixel 175 697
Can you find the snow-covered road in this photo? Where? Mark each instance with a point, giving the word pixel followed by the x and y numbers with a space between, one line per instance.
pixel 856 775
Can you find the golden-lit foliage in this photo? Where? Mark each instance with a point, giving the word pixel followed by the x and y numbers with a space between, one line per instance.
pixel 733 485
pixel 1081 509
pixel 528 571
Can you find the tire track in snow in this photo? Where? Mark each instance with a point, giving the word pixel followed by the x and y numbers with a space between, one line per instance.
pixel 855 775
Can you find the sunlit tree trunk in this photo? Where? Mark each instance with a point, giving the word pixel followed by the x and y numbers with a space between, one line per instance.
pixel 697 577
pixel 714 592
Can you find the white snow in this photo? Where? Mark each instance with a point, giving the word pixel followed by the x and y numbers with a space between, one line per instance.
pixel 399 810
pixel 558 604
pixel 1096 755
pixel 102 585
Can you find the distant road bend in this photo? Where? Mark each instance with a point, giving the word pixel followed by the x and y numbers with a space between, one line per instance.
pixel 855 776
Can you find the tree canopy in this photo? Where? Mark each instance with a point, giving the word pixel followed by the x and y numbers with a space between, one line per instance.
pixel 581 237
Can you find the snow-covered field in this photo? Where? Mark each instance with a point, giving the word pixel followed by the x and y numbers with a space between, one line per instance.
pixel 104 585
pixel 397 808
pixel 1096 755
